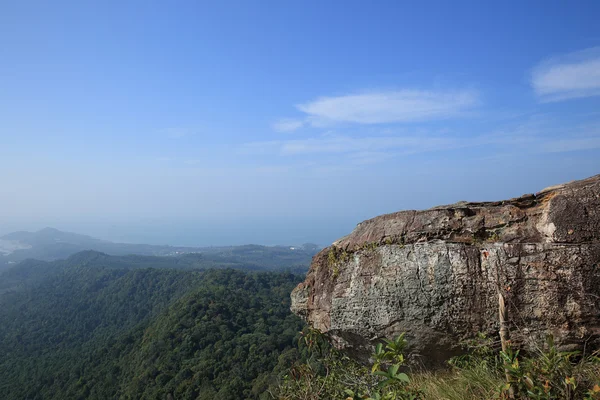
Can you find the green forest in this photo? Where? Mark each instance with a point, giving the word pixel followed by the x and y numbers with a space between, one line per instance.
pixel 89 328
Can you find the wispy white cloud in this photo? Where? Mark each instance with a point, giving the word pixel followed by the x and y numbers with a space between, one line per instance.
pixel 358 147
pixel 370 157
pixel 569 76
pixel 583 137
pixel 538 133
pixel 179 132
pixel 260 148
pixel 288 125
pixel 544 134
pixel 388 107
pixel 574 144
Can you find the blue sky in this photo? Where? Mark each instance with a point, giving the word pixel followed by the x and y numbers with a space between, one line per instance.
pixel 272 122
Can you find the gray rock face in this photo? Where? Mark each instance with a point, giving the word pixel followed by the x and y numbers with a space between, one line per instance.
pixel 436 275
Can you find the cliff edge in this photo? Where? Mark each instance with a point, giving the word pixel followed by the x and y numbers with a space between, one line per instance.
pixel 436 274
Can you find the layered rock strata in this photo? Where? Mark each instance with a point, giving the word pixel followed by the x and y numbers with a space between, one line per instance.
pixel 436 275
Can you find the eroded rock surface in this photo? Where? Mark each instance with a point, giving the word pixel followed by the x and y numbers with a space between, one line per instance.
pixel 436 274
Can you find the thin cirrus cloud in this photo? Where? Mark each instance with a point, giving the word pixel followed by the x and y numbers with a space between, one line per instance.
pixel 573 144
pixel 176 133
pixel 381 107
pixel 570 76
pixel 534 135
pixel 288 125
pixel 342 144
pixel 389 107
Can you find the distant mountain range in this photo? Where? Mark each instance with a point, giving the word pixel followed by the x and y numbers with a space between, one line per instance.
pixel 50 244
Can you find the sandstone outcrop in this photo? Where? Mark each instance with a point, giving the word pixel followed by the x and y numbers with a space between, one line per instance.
pixel 436 274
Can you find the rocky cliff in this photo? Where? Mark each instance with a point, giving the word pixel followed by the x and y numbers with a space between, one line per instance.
pixel 436 274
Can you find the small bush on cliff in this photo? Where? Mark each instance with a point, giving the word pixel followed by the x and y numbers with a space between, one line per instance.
pixel 479 374
pixel 551 374
pixel 325 374
pixel 328 374
pixel 393 384
pixel 545 374
pixel 335 257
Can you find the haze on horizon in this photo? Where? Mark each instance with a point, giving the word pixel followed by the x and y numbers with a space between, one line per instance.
pixel 216 123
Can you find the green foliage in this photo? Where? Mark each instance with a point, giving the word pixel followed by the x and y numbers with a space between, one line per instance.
pixel 545 374
pixel 370 246
pixel 321 373
pixel 480 374
pixel 392 353
pixel 228 334
pixel 336 256
pixel 393 384
pixel 476 382
pixel 481 350
pixel 328 374
pixel 90 332
pixel 550 374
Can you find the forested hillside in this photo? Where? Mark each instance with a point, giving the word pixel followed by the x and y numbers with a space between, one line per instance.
pixel 246 258
pixel 98 327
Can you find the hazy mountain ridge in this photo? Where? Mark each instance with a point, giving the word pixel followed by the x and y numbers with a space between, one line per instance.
pixel 50 244
pixel 49 236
